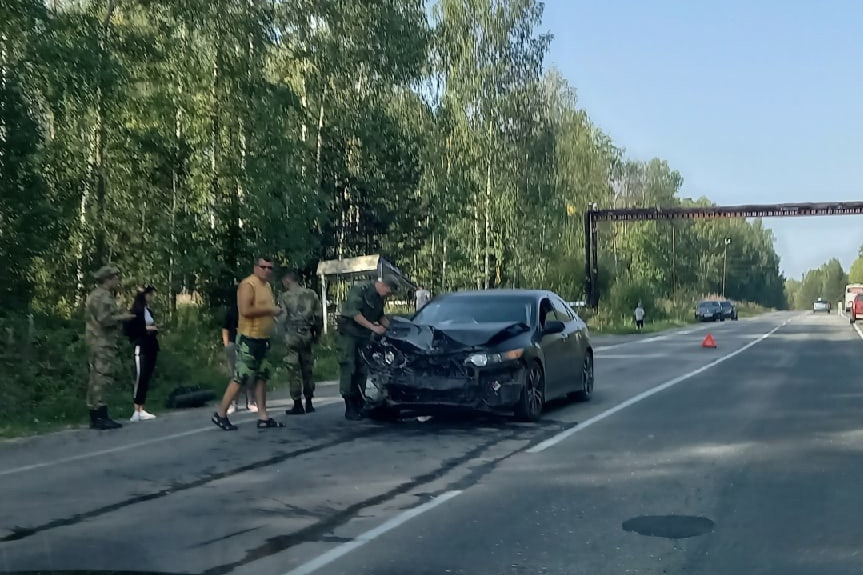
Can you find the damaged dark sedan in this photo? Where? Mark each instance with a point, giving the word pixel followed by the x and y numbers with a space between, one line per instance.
pixel 502 351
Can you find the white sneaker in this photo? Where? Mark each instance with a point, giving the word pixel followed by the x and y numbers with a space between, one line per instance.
pixel 136 416
pixel 253 408
pixel 232 409
pixel 145 415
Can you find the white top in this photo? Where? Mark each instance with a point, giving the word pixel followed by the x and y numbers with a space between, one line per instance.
pixel 148 317
pixel 639 314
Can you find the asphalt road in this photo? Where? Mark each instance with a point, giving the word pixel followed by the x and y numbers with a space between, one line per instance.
pixel 741 459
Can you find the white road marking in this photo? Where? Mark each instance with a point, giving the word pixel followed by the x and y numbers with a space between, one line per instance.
pixel 655 338
pixel 630 355
pixel 552 441
pixel 345 548
pixel 858 330
pixel 154 440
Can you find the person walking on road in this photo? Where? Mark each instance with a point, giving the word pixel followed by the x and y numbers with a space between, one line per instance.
pixel 362 315
pixel 422 296
pixel 257 312
pixel 229 341
pixel 143 333
pixel 304 322
pixel 639 317
pixel 103 324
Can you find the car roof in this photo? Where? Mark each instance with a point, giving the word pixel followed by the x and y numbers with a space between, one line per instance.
pixel 503 292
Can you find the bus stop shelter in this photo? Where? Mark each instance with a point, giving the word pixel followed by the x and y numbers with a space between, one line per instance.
pixel 342 273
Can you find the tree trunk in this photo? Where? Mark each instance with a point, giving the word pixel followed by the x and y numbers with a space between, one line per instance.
pixel 215 140
pixel 476 262
pixel 487 209
pixel 95 162
pixel 319 168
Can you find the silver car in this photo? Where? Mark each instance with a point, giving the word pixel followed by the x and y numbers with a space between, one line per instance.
pixel 821 306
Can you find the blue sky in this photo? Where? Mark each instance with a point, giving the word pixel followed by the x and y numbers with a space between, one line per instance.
pixel 752 102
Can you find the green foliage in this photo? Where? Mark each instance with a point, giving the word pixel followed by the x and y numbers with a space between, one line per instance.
pixel 827 281
pixel 855 274
pixel 182 140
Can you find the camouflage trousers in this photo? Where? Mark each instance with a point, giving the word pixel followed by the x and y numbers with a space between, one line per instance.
pixel 300 363
pixel 104 369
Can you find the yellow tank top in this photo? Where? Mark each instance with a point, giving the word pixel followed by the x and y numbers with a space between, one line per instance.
pixel 257 327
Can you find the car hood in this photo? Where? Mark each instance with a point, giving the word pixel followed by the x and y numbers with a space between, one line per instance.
pixel 451 336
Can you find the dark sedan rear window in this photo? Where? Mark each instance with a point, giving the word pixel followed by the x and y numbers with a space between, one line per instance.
pixel 492 309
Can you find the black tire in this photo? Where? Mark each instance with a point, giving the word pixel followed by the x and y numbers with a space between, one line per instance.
pixel 532 400
pixel 587 379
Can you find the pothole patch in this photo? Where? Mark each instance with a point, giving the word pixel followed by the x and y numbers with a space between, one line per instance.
pixel 669 526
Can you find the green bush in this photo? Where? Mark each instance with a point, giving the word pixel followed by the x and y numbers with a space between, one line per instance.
pixel 48 363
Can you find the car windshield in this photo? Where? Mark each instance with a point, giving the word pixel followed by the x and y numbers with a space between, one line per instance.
pixel 726 305
pixel 707 305
pixel 477 309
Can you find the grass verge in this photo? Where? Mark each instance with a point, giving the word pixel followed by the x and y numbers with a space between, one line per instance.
pixel 49 360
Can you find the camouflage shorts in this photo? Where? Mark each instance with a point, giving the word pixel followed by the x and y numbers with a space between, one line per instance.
pixel 251 363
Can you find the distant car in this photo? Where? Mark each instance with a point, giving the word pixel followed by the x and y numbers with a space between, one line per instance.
pixel 504 351
pixel 728 310
pixel 857 308
pixel 821 305
pixel 709 311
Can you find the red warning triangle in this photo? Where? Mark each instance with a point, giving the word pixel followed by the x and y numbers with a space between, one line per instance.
pixel 708 341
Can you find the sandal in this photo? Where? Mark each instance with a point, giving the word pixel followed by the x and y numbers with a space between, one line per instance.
pixel 265 423
pixel 223 423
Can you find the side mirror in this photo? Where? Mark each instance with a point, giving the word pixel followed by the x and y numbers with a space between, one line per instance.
pixel 553 326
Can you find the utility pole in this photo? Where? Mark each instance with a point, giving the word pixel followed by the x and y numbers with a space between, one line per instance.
pixel 725 264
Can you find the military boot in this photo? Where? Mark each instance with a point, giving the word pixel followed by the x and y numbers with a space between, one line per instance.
pixel 298 408
pixel 309 407
pixel 351 413
pixel 102 421
pixel 359 404
pixel 94 419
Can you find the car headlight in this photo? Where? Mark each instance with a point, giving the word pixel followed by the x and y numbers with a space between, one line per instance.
pixel 483 359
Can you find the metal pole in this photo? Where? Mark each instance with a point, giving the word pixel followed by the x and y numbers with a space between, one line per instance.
pixel 725 264
pixel 324 299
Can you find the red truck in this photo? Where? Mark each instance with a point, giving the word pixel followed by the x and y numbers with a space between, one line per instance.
pixel 856 310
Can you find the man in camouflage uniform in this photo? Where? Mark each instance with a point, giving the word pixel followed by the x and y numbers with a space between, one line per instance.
pixel 304 322
pixel 104 322
pixel 362 315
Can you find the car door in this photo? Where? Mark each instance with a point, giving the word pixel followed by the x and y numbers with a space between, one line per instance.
pixel 574 345
pixel 553 350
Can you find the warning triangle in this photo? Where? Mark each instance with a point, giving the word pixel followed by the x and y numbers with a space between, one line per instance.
pixel 708 341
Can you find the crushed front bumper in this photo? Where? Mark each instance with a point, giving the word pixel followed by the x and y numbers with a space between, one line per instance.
pixel 493 388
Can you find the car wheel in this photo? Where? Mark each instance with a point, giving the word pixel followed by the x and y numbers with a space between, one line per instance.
pixel 587 378
pixel 532 400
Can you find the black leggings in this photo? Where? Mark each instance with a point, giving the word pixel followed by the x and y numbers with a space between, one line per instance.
pixel 145 364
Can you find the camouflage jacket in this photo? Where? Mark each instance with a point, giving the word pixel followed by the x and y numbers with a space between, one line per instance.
pixel 363 299
pixel 303 316
pixel 104 319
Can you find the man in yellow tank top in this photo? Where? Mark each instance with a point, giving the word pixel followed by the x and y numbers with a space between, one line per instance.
pixel 257 309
